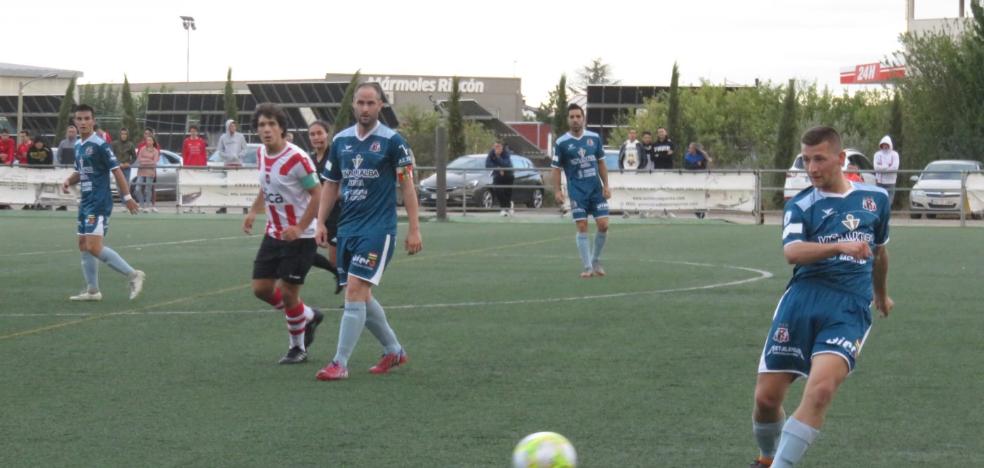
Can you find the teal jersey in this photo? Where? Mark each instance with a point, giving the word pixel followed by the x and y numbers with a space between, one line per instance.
pixel 860 215
pixel 95 161
pixel 366 169
pixel 579 158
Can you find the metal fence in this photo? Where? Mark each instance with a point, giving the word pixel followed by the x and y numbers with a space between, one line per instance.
pixel 473 190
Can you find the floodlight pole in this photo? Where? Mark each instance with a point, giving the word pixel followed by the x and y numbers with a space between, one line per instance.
pixel 20 99
pixel 188 23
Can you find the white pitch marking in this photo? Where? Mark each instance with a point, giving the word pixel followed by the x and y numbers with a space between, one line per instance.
pixel 131 246
pixel 762 274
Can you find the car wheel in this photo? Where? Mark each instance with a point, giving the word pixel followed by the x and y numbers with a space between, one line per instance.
pixel 536 199
pixel 915 215
pixel 488 199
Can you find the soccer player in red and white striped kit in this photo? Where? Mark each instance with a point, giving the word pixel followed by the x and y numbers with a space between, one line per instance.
pixel 289 192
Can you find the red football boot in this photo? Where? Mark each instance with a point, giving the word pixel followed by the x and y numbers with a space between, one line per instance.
pixel 389 361
pixel 333 371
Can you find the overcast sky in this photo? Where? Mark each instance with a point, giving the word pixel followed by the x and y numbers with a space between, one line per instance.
pixel 718 40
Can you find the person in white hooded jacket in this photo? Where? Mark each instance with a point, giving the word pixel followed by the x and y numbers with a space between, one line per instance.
pixel 886 166
pixel 232 145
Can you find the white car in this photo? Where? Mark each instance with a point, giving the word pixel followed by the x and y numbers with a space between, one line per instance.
pixel 937 188
pixel 797 179
pixel 249 160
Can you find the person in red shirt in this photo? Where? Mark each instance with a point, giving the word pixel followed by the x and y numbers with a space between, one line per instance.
pixel 23 146
pixel 194 151
pixel 8 148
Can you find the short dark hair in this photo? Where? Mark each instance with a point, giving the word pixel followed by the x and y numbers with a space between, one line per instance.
pixel 26 131
pixel 647 132
pixel 270 111
pixel 71 126
pixel 124 129
pixel 573 106
pixel 193 127
pixel 817 135
pixel 84 108
pixel 370 84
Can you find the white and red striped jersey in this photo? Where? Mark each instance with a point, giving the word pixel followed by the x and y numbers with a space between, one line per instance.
pixel 282 180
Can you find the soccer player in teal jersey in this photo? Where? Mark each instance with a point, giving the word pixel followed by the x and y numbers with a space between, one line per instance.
pixel 94 162
pixel 580 155
pixel 835 233
pixel 363 167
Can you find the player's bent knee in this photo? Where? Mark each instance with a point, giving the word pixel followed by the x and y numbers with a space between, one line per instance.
pixel 819 395
pixel 768 399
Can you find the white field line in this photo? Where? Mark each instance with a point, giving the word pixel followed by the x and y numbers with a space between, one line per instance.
pixel 759 275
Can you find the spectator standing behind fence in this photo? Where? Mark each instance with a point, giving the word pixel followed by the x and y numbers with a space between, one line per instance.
pixel 630 153
pixel 104 134
pixel 126 153
pixel 696 160
pixel 498 159
pixel 194 150
pixel 664 150
pixel 886 167
pixel 232 145
pixel 8 148
pixel 648 149
pixel 147 160
pixel 39 154
pixel 66 148
pixel 24 144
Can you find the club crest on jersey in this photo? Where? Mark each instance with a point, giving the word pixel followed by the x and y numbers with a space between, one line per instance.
pixel 375 147
pixel 357 161
pixel 869 204
pixel 851 222
pixel 590 142
pixel 781 335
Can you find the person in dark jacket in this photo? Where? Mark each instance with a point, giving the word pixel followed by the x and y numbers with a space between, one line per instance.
pixel 39 154
pixel 498 159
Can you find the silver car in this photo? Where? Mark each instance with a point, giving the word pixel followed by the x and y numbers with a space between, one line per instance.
pixel 937 188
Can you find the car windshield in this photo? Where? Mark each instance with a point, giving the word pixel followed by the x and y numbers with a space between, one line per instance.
pixel 467 163
pixel 945 171
pixel 798 162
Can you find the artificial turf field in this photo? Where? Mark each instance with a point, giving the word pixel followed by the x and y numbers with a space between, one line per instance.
pixel 651 366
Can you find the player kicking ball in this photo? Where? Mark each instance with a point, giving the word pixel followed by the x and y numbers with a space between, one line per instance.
pixel 289 192
pixel 580 155
pixel 362 168
pixel 835 234
pixel 94 163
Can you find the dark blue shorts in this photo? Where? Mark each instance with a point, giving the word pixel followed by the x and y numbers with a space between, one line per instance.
pixel 365 257
pixel 593 204
pixel 93 224
pixel 813 319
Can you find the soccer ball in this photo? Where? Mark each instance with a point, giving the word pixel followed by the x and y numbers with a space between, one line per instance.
pixel 544 450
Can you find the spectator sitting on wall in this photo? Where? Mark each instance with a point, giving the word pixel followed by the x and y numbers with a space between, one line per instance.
pixel 39 154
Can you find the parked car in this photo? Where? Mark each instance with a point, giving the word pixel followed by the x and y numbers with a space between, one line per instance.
pixel 167 177
pixel 797 179
pixel 937 188
pixel 249 160
pixel 468 179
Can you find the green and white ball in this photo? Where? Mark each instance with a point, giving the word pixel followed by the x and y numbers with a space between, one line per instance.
pixel 544 450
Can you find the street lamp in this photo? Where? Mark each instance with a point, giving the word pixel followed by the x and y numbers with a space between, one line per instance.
pixel 20 97
pixel 189 24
